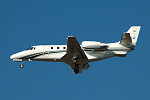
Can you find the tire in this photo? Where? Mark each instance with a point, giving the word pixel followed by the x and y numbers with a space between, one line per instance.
pixel 21 66
pixel 76 69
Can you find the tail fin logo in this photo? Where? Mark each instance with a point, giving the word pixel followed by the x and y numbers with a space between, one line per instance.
pixel 134 32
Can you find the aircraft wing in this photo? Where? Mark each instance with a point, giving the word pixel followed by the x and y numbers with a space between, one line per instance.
pixel 125 39
pixel 74 50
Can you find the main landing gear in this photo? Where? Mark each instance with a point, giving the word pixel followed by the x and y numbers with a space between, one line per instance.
pixel 74 59
pixel 76 69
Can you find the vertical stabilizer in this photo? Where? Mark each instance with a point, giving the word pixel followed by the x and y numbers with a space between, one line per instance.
pixel 134 32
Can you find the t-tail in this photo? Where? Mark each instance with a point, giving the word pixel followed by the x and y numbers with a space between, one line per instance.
pixel 129 38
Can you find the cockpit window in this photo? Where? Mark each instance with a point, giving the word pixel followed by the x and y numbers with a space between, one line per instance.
pixel 31 48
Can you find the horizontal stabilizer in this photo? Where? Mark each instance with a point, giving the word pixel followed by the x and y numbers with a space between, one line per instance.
pixel 125 39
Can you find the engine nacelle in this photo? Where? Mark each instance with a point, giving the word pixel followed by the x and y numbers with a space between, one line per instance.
pixel 94 45
pixel 91 44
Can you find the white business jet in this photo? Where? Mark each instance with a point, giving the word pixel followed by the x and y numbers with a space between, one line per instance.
pixel 78 56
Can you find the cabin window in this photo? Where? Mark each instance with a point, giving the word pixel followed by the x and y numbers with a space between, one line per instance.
pixel 64 47
pixel 51 47
pixel 57 47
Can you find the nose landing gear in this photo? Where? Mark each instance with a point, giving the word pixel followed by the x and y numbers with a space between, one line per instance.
pixel 21 66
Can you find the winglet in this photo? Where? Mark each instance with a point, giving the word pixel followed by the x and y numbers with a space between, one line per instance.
pixel 70 36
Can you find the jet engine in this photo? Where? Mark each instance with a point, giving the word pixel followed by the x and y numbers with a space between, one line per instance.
pixel 93 45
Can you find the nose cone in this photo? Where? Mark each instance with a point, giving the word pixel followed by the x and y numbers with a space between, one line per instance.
pixel 18 56
pixel 13 56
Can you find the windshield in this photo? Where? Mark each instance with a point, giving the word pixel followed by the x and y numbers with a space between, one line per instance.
pixel 31 48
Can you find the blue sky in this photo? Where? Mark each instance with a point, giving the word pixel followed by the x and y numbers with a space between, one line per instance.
pixel 24 23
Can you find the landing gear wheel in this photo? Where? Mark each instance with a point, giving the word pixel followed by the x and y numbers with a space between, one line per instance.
pixel 76 69
pixel 21 66
pixel 74 60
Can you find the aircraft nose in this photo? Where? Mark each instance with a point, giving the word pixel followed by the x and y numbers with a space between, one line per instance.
pixel 13 56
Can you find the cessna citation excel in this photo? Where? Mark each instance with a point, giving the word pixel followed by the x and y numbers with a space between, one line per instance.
pixel 78 56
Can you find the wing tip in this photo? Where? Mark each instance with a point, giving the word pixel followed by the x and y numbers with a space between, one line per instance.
pixel 71 36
